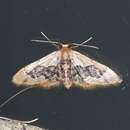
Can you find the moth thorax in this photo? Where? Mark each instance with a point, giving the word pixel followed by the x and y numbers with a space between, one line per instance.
pixel 65 45
pixel 65 56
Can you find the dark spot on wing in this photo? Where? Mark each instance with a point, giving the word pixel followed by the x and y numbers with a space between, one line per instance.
pixel 41 71
pixel 94 71
pixel 65 70
pixel 79 73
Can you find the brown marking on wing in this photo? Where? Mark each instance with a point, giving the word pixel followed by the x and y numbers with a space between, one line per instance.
pixel 48 84
pixel 91 86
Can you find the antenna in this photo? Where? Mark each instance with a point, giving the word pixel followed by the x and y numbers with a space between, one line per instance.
pixel 45 36
pixel 55 43
pixel 83 44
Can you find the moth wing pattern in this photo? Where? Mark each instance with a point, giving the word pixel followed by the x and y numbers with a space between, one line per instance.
pixel 39 73
pixel 91 74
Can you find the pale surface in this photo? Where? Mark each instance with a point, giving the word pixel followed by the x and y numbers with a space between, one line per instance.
pixel 17 125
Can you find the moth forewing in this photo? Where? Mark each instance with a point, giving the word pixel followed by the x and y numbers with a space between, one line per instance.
pixel 32 74
pixel 94 74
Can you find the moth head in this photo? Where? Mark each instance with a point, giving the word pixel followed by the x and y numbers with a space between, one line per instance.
pixel 60 45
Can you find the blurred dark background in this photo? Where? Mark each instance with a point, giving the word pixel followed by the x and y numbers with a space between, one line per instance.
pixel 108 22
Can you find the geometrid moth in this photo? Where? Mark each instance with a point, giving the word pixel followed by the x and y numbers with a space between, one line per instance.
pixel 68 67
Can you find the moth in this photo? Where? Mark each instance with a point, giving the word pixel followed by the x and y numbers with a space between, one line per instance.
pixel 67 67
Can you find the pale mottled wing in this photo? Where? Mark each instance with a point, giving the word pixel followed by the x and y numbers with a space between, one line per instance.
pixel 41 73
pixel 90 74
